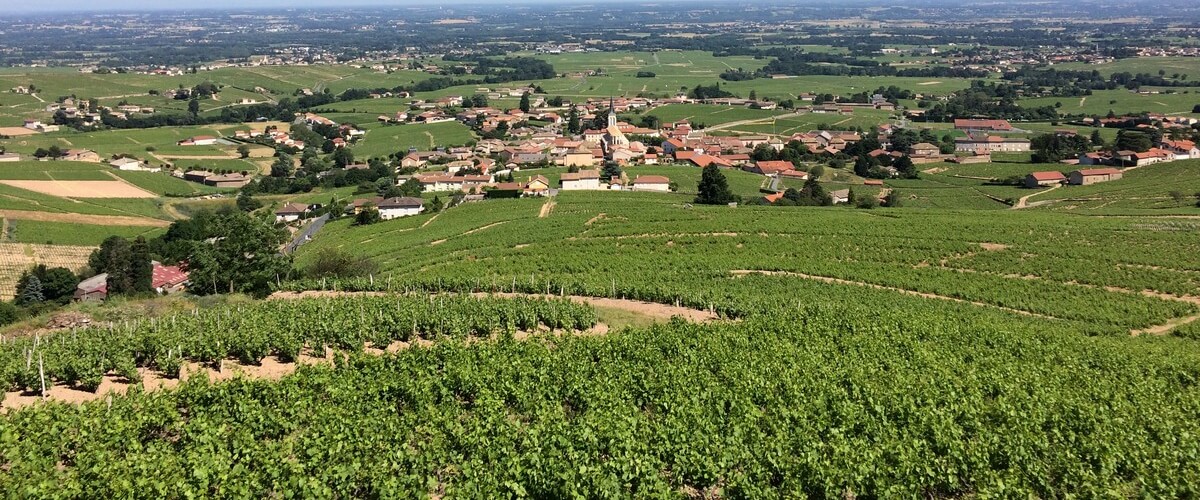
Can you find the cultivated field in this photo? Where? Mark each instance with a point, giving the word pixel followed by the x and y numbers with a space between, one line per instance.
pixel 83 189
pixel 16 258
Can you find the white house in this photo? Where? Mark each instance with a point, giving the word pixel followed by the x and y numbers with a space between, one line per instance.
pixel 656 183
pixel 581 180
pixel 291 212
pixel 392 208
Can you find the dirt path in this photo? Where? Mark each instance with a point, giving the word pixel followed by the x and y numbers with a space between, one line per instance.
pixel 1173 323
pixel 593 220
pixel 1082 100
pixel 101 220
pixel 272 368
pixel 1022 203
pixel 432 141
pixel 426 223
pixel 546 209
pixel 35 96
pixel 905 291
pixel 172 211
pixel 651 309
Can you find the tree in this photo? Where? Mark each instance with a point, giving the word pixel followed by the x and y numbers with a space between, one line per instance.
pixel 31 294
pixel 244 151
pixel 1097 140
pixel 862 166
pixel 336 263
pixel 892 199
pixel 8 313
pixel 713 188
pixel 367 216
pixel 113 258
pixel 243 258
pixel 283 166
pixel 1132 140
pixel 410 188
pixel 1053 148
pixel 57 283
pixel 247 203
pixel 141 270
pixel 435 205
pixel 610 170
pixel 524 105
pixel 342 157
pixel 573 122
pixel 904 165
pixel 54 152
pixel 816 172
pixel 194 107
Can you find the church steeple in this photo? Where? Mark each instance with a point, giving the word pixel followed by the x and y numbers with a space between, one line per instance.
pixel 612 112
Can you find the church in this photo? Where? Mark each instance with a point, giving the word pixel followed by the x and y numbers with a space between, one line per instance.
pixel 613 137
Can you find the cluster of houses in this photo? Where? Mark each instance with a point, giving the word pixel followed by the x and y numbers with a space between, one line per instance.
pixel 275 136
pixel 389 208
pixel 1167 150
pixel 73 108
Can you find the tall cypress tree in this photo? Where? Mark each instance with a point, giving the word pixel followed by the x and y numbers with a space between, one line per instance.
pixel 141 271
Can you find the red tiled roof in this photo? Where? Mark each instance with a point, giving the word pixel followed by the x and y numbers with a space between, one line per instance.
pixel 651 179
pixel 1048 176
pixel 168 276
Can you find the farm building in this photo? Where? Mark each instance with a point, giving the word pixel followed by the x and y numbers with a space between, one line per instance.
pixel 840 196
pixel 993 125
pixel 199 140
pixel 1134 158
pixel 132 164
pixel 991 143
pixel 1183 150
pixel 1038 179
pixel 81 155
pixel 1084 177
pixel 581 180
pixel 770 167
pixel 393 208
pixel 924 149
pixel 234 180
pixel 657 183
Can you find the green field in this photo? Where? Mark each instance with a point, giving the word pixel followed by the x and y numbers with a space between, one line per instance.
pixel 55 170
pixel 1122 101
pixel 385 140
pixel 64 233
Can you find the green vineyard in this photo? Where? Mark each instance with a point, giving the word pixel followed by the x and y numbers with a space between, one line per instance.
pixel 819 401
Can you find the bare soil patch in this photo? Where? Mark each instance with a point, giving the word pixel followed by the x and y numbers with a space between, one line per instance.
pixel 16 131
pixel 993 247
pixel 83 189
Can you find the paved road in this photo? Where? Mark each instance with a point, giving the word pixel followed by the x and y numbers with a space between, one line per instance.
pixel 304 236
